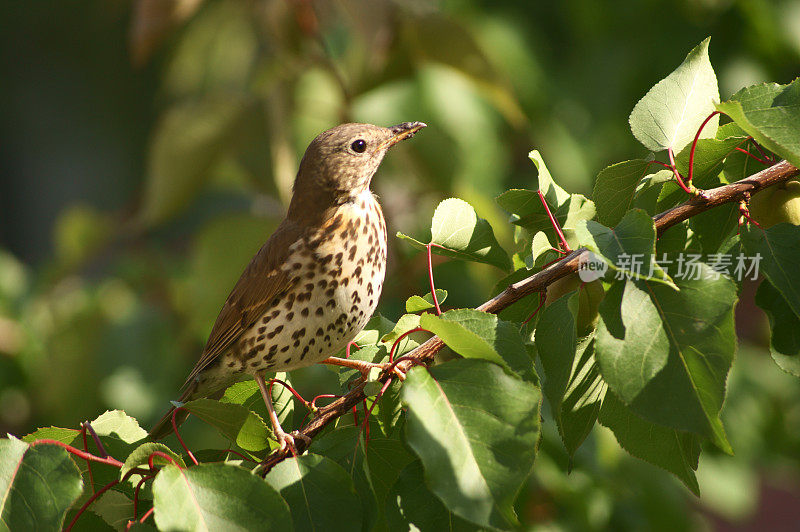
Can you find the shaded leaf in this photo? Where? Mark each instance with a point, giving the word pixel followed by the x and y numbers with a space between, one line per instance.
pixel 411 503
pixel 778 252
pixel 673 450
pixel 37 485
pixel 784 325
pixel 319 492
pixel 629 248
pixel 691 368
pixel 571 380
pixel 770 113
pixel 615 188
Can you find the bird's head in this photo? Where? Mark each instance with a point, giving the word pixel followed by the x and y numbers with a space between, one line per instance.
pixel 341 161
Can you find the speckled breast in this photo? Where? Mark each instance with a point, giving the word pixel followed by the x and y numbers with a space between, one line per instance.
pixel 338 275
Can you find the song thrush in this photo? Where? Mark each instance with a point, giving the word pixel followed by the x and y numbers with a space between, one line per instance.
pixel 314 284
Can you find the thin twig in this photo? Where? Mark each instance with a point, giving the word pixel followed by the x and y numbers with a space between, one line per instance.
pixel 782 171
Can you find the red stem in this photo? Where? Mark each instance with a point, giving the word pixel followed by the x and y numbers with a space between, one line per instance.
pixel 753 156
pixel 88 502
pixel 430 279
pixel 285 385
pixel 675 172
pixel 694 145
pixel 136 494
pixel 178 434
pixel 538 308
pixel 88 462
pixel 165 456
pixel 762 152
pixel 146 515
pixel 397 342
pixel 77 452
pixel 554 222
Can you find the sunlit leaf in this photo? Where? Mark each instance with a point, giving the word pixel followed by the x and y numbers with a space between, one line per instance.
pixel 475 429
pixel 235 422
pixel 670 114
pixel 216 497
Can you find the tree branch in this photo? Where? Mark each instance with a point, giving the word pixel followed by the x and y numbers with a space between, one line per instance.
pixel 734 192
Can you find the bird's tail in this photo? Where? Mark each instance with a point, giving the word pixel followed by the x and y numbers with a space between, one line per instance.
pixel 164 425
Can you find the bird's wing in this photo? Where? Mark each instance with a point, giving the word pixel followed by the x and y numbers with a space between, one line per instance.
pixel 262 280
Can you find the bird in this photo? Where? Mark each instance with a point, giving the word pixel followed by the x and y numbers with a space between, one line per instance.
pixel 312 287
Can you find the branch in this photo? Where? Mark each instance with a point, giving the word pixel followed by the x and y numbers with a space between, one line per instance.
pixel 734 192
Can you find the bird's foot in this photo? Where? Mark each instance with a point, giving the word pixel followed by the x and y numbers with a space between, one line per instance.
pixel 286 441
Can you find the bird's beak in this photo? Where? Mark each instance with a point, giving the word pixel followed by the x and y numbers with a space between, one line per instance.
pixel 403 131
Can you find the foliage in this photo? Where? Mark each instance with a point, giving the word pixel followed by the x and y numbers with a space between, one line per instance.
pixel 514 403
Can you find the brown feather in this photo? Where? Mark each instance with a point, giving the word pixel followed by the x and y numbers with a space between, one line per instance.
pixel 252 295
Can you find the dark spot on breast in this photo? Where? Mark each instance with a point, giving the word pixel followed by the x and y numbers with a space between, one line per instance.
pixel 331 303
pixel 320 332
pixel 262 329
pixel 329 292
pixel 304 312
pixel 284 348
pixel 287 360
pixel 290 316
pixel 319 311
pixel 352 254
pixel 322 283
pixel 339 258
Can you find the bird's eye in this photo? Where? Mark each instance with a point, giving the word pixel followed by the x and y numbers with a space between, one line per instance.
pixel 359 145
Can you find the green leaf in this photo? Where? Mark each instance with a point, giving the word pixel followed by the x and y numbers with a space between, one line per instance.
pixel 463 235
pixel 778 250
pixel 247 394
pixel 632 342
pixel 784 344
pixel 140 457
pixel 420 303
pixel 528 212
pixel 670 114
pixel 475 334
pixel 216 497
pixel 554 194
pixel 68 436
pixel 119 425
pixel 113 507
pixel 186 143
pixel 37 485
pixel 412 505
pixel 235 422
pixel 697 321
pixel 673 450
pixel 319 492
pixel 475 429
pixel 615 188
pixel 572 381
pixel 770 113
pixel 629 248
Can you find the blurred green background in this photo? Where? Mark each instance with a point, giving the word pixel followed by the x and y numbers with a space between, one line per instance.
pixel 148 149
